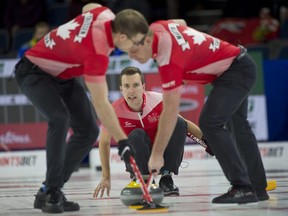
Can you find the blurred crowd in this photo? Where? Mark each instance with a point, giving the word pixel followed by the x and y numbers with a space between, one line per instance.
pixel 257 22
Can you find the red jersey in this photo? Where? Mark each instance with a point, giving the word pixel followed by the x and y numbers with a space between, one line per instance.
pixel 183 53
pixel 79 47
pixel 147 119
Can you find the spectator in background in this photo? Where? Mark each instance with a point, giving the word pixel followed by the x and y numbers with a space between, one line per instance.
pixel 247 30
pixel 268 28
pixel 41 29
pixel 23 14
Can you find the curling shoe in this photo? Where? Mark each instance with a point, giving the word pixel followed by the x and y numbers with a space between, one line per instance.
pixel 53 201
pixel 166 183
pixel 239 194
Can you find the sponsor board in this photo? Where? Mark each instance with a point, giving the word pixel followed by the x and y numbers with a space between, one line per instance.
pixel 274 155
pixel 23 163
pixel 257 116
pixel 33 163
pixel 23 136
pixel 28 136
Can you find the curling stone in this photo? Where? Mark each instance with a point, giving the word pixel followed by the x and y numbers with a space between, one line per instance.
pixel 132 194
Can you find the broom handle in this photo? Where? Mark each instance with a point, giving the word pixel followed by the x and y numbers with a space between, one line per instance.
pixel 146 193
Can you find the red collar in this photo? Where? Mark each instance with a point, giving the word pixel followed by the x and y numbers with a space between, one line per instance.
pixel 142 107
pixel 109 33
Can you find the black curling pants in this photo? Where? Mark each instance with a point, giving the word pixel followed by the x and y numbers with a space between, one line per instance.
pixel 239 158
pixel 172 156
pixel 64 103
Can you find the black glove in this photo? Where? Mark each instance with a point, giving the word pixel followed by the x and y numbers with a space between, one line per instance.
pixel 208 149
pixel 125 150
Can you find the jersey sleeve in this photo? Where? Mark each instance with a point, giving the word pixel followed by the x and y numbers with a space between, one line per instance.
pixel 171 76
pixel 95 67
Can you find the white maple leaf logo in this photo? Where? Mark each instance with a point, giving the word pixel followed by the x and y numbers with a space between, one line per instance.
pixel 64 30
pixel 198 37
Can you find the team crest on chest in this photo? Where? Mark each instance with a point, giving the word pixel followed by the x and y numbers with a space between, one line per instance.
pixel 153 117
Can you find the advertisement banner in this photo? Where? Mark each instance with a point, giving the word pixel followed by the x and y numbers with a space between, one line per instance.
pixel 22 136
pixel 33 163
pixel 274 156
pixel 28 136
pixel 23 163
pixel 257 116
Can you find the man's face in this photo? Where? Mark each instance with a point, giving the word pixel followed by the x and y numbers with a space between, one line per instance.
pixel 138 47
pixel 125 43
pixel 142 53
pixel 41 32
pixel 132 90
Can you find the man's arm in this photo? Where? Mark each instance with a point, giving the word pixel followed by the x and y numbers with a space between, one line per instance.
pixel 104 109
pixel 193 128
pixel 104 152
pixel 167 123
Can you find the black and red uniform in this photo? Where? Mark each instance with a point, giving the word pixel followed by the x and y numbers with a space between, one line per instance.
pixel 185 54
pixel 46 75
pixel 141 129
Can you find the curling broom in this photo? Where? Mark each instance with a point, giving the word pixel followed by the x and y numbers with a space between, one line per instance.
pixel 148 205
